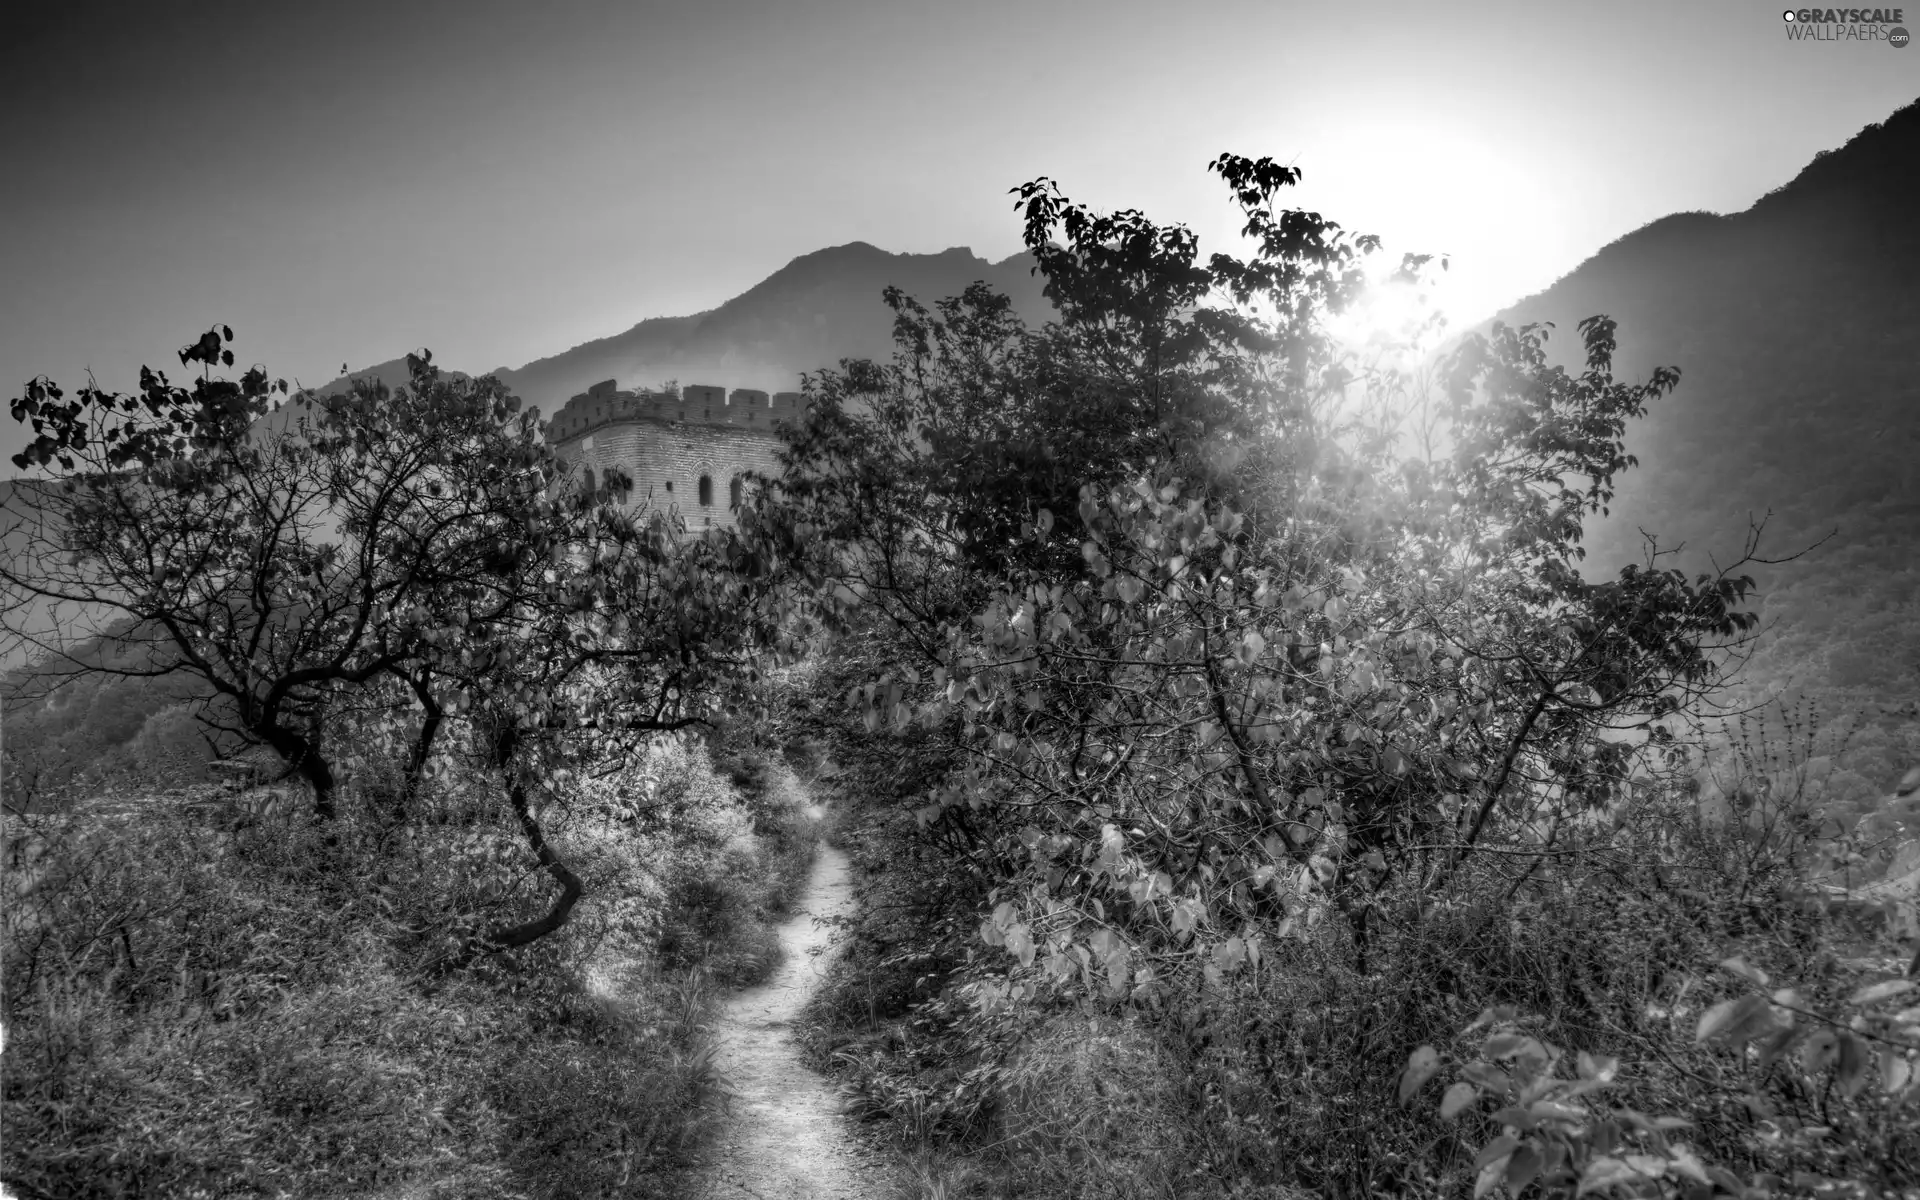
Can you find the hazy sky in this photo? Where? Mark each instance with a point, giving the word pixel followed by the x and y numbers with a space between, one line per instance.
pixel 342 182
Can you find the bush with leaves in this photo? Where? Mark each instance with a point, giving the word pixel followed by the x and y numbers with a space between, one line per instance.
pixel 1213 699
pixel 1553 1134
pixel 1556 1134
pixel 1250 670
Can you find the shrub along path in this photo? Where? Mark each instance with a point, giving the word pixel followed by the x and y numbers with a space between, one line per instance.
pixel 787 1138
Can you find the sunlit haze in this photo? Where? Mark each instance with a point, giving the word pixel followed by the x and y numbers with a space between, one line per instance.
pixel 499 182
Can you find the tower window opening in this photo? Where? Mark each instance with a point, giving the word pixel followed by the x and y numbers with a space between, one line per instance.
pixel 733 492
pixel 669 487
pixel 588 477
pixel 706 490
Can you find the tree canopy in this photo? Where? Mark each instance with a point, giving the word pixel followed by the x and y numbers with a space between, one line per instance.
pixel 1212 649
pixel 417 551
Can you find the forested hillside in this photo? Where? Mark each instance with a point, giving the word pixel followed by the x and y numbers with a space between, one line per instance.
pixel 1794 325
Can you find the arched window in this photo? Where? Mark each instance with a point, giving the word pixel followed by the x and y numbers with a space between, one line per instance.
pixel 706 490
pixel 733 493
pixel 587 478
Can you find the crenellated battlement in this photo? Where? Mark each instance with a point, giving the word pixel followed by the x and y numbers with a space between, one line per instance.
pixel 692 450
pixel 747 409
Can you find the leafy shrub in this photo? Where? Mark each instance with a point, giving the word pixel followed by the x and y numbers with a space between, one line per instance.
pixel 1280 1077
pixel 711 919
pixel 1095 1107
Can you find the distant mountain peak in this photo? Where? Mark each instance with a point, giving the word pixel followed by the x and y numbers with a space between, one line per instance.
pixel 867 253
pixel 819 308
pixel 845 249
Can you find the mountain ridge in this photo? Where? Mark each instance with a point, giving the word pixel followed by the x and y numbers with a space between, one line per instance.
pixel 1870 180
pixel 810 313
pixel 1793 324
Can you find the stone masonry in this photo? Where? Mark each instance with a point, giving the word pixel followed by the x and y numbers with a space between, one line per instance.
pixel 686 450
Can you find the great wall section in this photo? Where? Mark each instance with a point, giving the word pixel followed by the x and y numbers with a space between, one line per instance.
pixel 687 449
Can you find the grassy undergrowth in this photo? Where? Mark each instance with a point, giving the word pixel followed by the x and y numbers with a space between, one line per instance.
pixel 1281 1082
pixel 204 1001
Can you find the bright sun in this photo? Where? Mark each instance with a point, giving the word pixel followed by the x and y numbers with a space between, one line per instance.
pixel 1392 319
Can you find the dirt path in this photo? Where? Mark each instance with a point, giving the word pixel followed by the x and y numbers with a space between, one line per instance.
pixel 788 1140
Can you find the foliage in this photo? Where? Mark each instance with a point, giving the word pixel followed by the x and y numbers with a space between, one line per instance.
pixel 1266 674
pixel 190 1004
pixel 1220 722
pixel 1215 695
pixel 1286 1072
pixel 383 562
pixel 1814 432
pixel 1554 1136
pixel 468 662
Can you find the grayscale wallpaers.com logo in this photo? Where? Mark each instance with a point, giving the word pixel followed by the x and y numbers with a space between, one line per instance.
pixel 1847 25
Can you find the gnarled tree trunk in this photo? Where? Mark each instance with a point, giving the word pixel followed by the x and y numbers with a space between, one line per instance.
pixel 503 746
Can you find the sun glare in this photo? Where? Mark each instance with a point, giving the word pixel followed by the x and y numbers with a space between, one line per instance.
pixel 1391 321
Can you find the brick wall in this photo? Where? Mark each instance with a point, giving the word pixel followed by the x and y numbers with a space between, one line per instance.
pixel 669 442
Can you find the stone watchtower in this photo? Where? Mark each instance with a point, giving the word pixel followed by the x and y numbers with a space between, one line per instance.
pixel 687 449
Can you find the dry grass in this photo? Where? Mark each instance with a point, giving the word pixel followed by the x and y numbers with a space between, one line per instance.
pixel 199 1006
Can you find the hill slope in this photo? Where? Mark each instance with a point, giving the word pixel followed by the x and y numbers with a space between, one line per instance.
pixel 1796 325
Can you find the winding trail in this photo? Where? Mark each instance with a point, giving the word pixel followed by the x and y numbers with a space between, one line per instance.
pixel 788 1140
